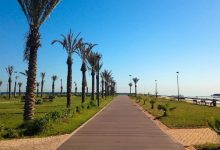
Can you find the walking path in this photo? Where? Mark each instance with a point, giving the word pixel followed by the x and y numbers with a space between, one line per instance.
pixel 120 126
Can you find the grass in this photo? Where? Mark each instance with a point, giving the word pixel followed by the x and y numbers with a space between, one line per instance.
pixel 11 114
pixel 208 147
pixel 186 115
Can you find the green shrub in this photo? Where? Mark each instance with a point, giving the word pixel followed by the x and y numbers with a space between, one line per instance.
pixel 11 133
pixel 138 99
pixel 38 101
pixel 78 109
pixel 35 126
pixel 54 116
pixel 88 106
pixel 165 108
pixel 214 124
pixel 152 102
pixel 92 104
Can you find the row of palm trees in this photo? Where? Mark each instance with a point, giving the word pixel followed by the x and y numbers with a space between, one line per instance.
pixel 135 80
pixel 36 12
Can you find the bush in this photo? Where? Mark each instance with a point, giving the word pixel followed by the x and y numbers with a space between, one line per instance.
pixel 214 124
pixel 54 116
pixel 88 106
pixel 78 109
pixel 165 108
pixel 35 126
pixel 138 99
pixel 152 102
pixel 11 133
pixel 38 101
pixel 92 104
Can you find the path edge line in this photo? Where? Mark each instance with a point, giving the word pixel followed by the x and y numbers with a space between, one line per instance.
pixel 81 126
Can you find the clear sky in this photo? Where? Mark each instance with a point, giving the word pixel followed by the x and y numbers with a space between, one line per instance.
pixel 149 39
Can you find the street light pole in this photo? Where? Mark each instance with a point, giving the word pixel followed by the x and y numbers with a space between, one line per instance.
pixel 177 77
pixel 156 88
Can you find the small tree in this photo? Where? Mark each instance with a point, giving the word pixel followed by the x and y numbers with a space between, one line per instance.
pixel 42 74
pixel 165 108
pixel 38 84
pixel 54 78
pixel 15 87
pixel 9 70
pixel 135 83
pixel 152 102
pixel 19 87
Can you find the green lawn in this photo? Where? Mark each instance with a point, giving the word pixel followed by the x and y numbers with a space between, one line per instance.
pixel 186 115
pixel 11 114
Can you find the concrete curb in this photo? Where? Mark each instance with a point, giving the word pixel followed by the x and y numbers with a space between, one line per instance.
pixel 77 129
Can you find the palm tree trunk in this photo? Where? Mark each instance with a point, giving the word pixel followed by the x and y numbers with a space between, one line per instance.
pixel 69 81
pixel 33 43
pixel 53 88
pixel 93 84
pixel 9 87
pixel 106 89
pixel 102 88
pixel 97 87
pixel 42 88
pixel 15 88
pixel 135 90
pixel 130 90
pixel 37 91
pixel 83 69
pixel 19 91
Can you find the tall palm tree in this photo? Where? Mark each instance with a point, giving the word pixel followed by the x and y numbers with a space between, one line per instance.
pixel 0 86
pixel 19 87
pixel 92 60
pixel 61 87
pixel 102 84
pixel 98 67
pixel 38 84
pixel 130 85
pixel 84 51
pixel 9 70
pixel 70 44
pixel 54 78
pixel 36 12
pixel 107 76
pixel 15 87
pixel 42 74
pixel 135 83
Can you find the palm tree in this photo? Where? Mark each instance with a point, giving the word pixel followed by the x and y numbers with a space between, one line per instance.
pixel 97 69
pixel 130 85
pixel 107 76
pixel 135 83
pixel 102 84
pixel 38 84
pixel 36 12
pixel 25 73
pixel 70 44
pixel 61 87
pixel 0 86
pixel 54 78
pixel 9 70
pixel 19 87
pixel 15 87
pixel 42 74
pixel 84 51
pixel 92 60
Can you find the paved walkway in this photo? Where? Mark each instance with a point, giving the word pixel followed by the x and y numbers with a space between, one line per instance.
pixel 121 126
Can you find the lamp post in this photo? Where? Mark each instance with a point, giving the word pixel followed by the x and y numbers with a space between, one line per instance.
pixel 178 90
pixel 156 89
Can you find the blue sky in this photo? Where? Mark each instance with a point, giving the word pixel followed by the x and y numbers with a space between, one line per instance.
pixel 149 39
